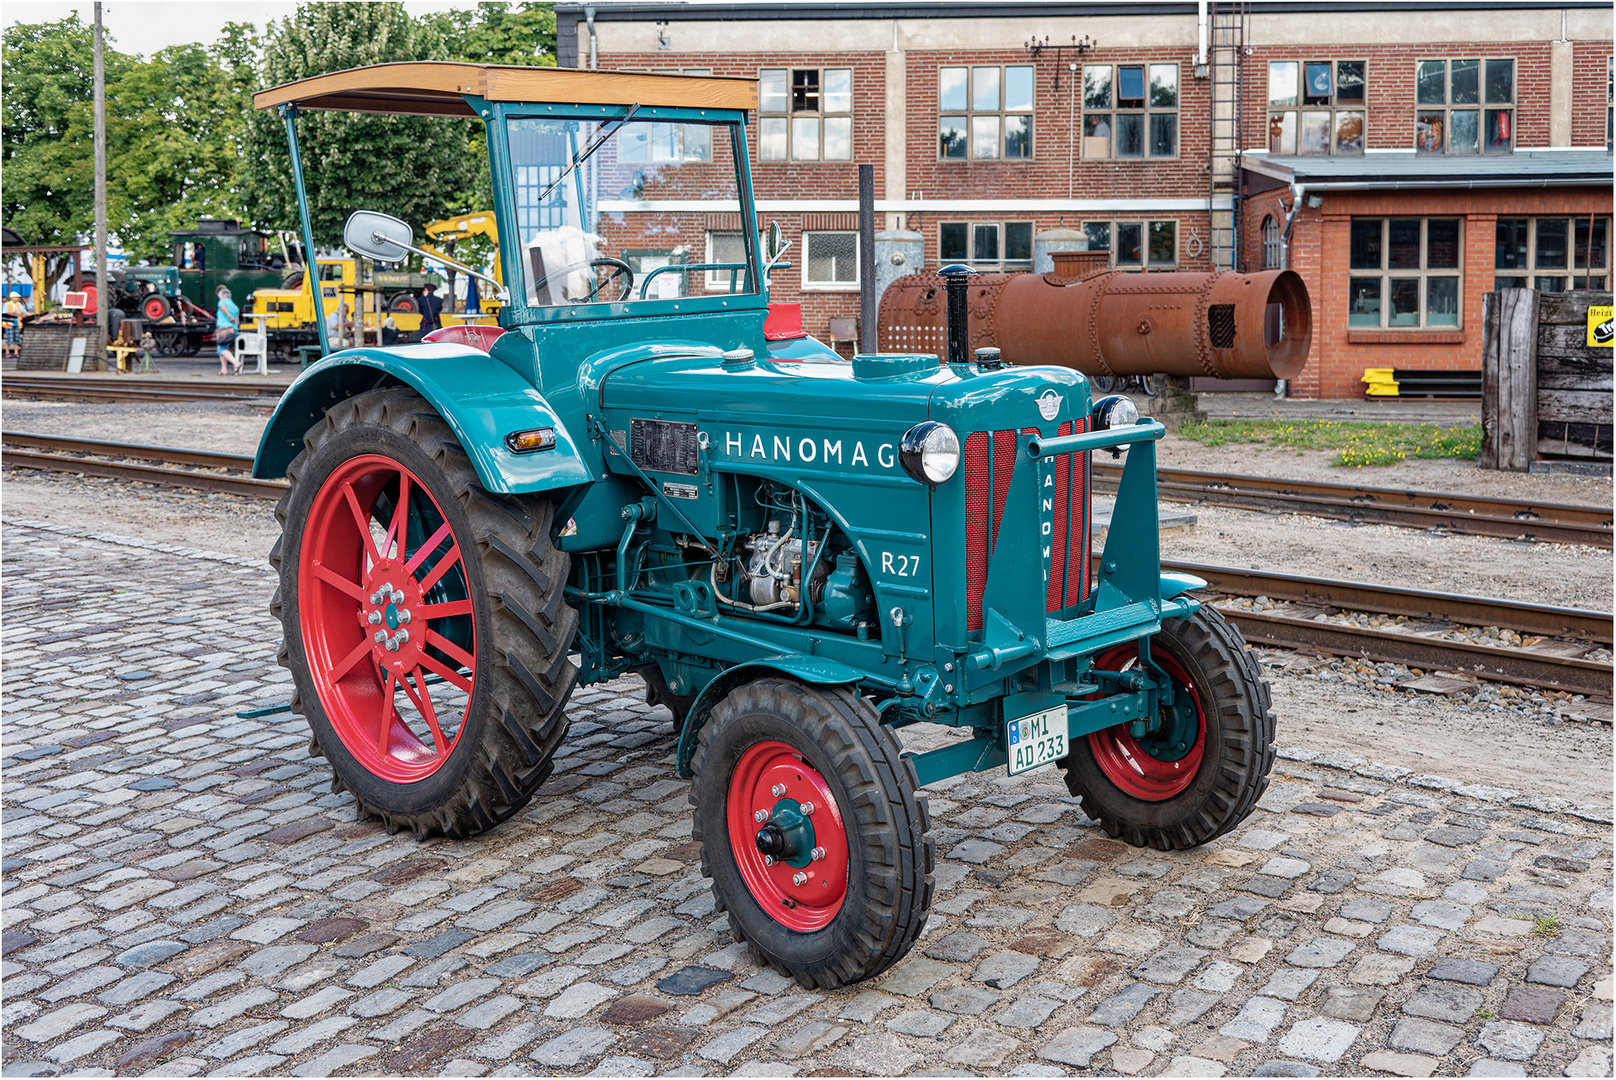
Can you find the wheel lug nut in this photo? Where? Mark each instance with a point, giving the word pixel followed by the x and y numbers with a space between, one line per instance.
pixel 403 616
pixel 807 807
pixel 799 878
pixel 374 618
pixel 381 636
pixel 778 790
pixel 398 597
pixel 402 636
pixel 761 816
pixel 768 860
pixel 817 854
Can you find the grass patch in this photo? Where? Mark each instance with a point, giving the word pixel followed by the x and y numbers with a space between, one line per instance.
pixel 1355 444
pixel 1545 925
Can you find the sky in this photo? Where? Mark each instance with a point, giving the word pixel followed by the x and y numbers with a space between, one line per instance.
pixel 144 26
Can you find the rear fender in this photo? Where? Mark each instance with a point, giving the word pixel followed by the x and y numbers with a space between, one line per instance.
pixel 480 398
pixel 814 670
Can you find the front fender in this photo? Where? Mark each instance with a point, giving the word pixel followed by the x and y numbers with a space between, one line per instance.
pixel 815 670
pixel 481 399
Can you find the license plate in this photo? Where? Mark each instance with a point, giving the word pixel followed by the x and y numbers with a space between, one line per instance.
pixel 1037 739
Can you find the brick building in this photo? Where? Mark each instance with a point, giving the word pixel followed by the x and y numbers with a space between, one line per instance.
pixel 1402 156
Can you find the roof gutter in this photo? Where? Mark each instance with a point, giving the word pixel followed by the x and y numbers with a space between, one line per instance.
pixel 589 17
pixel 1298 192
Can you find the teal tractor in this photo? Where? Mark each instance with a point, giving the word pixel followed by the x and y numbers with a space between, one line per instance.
pixel 805 558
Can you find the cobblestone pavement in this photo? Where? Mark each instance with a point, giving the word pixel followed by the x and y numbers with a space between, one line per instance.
pixel 183 897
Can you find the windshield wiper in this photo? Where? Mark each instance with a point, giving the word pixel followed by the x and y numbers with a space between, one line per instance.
pixel 594 144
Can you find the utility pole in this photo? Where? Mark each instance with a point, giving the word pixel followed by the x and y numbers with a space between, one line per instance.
pixel 103 280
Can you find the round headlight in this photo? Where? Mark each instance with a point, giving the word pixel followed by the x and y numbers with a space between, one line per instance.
pixel 929 452
pixel 1114 412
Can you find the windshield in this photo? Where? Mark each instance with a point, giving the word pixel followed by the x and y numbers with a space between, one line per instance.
pixel 654 213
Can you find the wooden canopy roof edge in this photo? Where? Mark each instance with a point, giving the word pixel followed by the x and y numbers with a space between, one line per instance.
pixel 435 88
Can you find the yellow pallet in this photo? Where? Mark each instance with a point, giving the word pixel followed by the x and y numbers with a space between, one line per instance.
pixel 1380 382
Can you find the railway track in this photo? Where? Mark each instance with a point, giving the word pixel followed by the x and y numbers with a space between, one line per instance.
pixel 1431 631
pixel 1477 515
pixel 137 388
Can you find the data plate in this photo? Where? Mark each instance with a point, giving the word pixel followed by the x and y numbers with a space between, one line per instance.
pixel 1037 739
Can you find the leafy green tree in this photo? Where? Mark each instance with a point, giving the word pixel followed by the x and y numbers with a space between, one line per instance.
pixel 415 168
pixel 47 132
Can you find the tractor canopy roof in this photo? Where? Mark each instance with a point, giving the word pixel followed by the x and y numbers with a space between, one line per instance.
pixel 440 88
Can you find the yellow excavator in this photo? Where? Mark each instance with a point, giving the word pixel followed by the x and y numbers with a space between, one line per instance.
pixel 441 239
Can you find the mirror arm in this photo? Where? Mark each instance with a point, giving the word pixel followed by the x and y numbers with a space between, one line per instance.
pixel 503 296
pixel 777 256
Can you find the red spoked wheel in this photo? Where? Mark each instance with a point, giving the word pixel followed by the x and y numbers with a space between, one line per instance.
pixel 372 606
pixel 787 836
pixel 426 629
pixel 155 307
pixel 1162 764
pixel 1200 773
pixel 811 830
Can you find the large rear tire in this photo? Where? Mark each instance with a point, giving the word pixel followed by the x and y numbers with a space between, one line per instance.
pixel 1204 771
pixel 424 622
pixel 848 894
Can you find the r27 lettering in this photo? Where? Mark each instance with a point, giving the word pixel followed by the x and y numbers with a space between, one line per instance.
pixel 900 565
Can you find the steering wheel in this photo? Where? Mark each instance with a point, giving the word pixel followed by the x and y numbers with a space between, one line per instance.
pixel 621 271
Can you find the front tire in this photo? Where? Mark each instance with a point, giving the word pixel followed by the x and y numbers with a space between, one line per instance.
pixel 1202 774
pixel 423 618
pixel 848 895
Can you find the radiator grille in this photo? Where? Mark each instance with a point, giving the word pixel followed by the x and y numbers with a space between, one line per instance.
pixel 989 461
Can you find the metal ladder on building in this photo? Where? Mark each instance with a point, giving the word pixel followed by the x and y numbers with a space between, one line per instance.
pixel 1226 50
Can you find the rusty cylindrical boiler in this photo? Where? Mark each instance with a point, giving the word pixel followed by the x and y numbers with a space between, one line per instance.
pixel 1102 322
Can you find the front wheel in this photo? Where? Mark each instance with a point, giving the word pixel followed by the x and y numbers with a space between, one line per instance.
pixel 1204 768
pixel 424 620
pixel 812 831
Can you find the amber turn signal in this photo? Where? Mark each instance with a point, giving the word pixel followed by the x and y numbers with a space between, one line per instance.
pixel 526 442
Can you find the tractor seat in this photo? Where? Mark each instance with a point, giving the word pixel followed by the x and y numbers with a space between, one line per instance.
pixel 480 338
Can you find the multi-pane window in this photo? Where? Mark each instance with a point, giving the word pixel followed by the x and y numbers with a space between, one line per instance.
pixel 986 242
pixel 1552 254
pixel 664 142
pixel 1404 272
pixel 1135 245
pixel 985 113
pixel 805 114
pixel 1130 110
pixel 830 260
pixel 1464 106
pixel 1272 256
pixel 1316 107
pixel 1610 103
pixel 725 247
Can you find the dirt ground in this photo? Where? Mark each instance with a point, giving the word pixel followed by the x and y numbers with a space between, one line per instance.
pixel 1480 741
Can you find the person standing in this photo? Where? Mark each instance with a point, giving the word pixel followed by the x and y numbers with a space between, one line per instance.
pixel 431 309
pixel 226 325
pixel 13 325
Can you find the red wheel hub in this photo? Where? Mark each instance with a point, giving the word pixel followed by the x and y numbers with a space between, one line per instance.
pixel 1127 762
pixel 367 623
pixel 801 888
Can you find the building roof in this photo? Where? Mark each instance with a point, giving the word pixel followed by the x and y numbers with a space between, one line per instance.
pixel 436 88
pixel 729 10
pixel 1407 169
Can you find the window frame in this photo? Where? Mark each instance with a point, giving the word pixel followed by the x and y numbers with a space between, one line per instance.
pixel 1001 262
pixel 809 285
pixel 719 279
pixel 1424 274
pixel 1299 107
pixel 1146 227
pixel 1568 274
pixel 822 114
pixel 1146 110
pixel 1481 107
pixel 970 113
pixel 1272 243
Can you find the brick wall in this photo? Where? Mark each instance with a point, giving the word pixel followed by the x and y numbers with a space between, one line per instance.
pixel 1319 252
pixel 1589 94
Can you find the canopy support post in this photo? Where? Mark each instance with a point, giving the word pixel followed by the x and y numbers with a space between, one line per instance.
pixel 311 265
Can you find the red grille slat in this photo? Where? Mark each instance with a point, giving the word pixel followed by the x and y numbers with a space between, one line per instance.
pixel 1054 600
pixel 1004 466
pixel 1077 582
pixel 978 481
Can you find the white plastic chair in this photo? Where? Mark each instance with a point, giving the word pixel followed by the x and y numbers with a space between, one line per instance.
pixel 253 341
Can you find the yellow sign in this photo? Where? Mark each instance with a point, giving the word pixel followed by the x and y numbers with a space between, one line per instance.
pixel 1601 327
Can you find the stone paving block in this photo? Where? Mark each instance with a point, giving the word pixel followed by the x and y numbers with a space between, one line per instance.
pixel 1256 1021
pixel 914 976
pixel 1595 1022
pixel 1425 1037
pixel 1320 952
pixel 1453 1003
pixel 1076 1045
pixel 1027 1011
pixel 243 1038
pixel 1509 1040
pixel 1473 972
pixel 880 1053
pixel 1380 969
pixel 1556 971
pixel 1123 1006
pixel 1189 1065
pixel 338 1057
pixel 1169 966
pixel 983 1048
pixel 921 1023
pixel 964 1000
pixel 578 1000
pixel 1288 984
pixel 1356 1003
pixel 1003 970
pixel 1399 1064
pixel 1416 941
pixel 1532 1004
pixel 1319 1039
pixel 1593 1061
